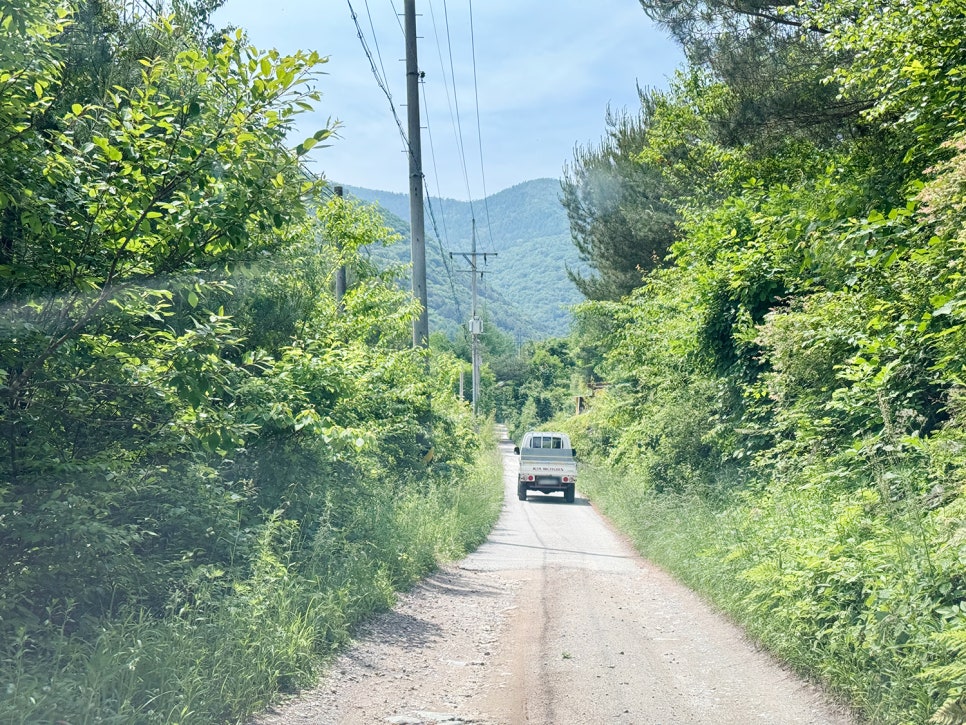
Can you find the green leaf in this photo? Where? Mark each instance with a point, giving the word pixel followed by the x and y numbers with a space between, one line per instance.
pixel 305 146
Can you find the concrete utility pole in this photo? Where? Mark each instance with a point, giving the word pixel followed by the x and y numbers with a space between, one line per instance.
pixel 416 221
pixel 476 324
pixel 340 274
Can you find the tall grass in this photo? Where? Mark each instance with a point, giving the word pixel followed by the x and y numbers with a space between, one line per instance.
pixel 862 593
pixel 227 648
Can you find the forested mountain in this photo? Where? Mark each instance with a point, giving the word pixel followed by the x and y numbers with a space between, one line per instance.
pixel 524 289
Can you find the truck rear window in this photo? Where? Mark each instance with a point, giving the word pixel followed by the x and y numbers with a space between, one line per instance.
pixel 545 442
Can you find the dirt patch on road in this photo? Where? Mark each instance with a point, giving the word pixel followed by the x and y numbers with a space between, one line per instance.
pixel 426 661
pixel 555 620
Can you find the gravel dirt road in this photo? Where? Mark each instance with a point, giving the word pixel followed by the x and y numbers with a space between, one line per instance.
pixel 556 621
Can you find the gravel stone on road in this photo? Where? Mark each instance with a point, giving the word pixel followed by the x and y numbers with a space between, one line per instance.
pixel 555 620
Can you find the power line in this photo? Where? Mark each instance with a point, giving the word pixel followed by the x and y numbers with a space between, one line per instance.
pixel 398 15
pixel 442 68
pixel 432 216
pixel 375 40
pixel 379 79
pixel 479 130
pixel 456 103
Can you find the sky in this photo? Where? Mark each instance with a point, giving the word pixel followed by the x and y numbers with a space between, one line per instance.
pixel 545 73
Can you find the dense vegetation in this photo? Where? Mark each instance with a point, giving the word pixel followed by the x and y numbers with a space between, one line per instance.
pixel 209 468
pixel 781 418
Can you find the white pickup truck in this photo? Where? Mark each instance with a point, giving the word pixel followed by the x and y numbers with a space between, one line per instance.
pixel 547 463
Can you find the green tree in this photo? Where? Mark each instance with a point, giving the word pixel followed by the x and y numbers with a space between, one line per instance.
pixel 620 220
pixel 119 217
pixel 774 59
pixel 797 370
pixel 909 59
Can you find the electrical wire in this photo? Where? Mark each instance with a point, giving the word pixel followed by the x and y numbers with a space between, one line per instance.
pixel 479 130
pixel 456 103
pixel 432 216
pixel 375 40
pixel 380 81
pixel 398 15
pixel 383 85
pixel 442 67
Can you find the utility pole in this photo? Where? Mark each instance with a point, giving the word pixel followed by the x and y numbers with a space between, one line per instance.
pixel 340 274
pixel 476 324
pixel 416 221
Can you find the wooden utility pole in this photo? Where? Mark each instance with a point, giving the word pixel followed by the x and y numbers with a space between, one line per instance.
pixel 340 273
pixel 416 221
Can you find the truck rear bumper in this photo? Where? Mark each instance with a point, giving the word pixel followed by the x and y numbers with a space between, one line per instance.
pixel 546 484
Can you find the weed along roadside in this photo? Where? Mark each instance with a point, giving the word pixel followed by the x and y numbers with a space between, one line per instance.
pixel 851 600
pixel 553 620
pixel 227 654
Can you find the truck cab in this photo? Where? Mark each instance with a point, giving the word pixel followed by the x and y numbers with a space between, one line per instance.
pixel 547 464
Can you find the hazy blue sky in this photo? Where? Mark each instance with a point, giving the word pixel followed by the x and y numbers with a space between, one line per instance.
pixel 546 71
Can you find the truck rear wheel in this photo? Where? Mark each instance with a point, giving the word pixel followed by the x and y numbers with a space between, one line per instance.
pixel 569 493
pixel 521 492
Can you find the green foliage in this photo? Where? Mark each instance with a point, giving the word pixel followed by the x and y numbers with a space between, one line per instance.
pixel 29 73
pixel 209 470
pixel 118 384
pixel 226 645
pixel 911 64
pixel 620 220
pixel 842 584
pixel 651 367
pixel 774 59
pixel 681 138
pixel 780 417
pixel 533 387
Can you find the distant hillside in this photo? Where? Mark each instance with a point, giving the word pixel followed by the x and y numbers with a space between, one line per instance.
pixel 525 289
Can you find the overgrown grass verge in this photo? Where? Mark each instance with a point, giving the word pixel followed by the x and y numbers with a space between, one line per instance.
pixel 865 595
pixel 225 649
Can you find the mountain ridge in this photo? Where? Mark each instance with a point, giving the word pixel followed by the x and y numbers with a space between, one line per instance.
pixel 523 231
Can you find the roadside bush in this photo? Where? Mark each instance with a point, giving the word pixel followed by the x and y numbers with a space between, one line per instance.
pixel 858 591
pixel 224 646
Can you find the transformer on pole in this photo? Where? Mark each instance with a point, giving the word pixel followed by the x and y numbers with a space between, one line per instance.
pixel 476 323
